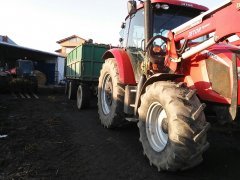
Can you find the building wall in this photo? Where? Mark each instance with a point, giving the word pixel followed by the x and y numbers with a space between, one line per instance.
pixel 53 68
pixel 60 68
pixel 48 68
pixel 70 44
pixel 66 44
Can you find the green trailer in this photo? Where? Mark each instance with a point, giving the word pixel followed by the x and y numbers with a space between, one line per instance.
pixel 82 69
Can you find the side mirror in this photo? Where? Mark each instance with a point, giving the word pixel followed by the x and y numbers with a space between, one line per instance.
pixel 123 25
pixel 132 7
pixel 120 40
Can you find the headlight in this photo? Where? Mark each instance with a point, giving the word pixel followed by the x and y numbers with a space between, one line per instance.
pixel 163 6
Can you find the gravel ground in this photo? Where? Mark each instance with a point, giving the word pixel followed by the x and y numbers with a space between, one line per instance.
pixel 48 138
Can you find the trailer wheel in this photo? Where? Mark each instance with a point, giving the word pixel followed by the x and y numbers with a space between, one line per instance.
pixel 83 97
pixel 110 95
pixel 72 90
pixel 172 126
pixel 66 88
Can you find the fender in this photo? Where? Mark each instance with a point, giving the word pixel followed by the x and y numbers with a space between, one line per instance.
pixel 125 70
pixel 151 80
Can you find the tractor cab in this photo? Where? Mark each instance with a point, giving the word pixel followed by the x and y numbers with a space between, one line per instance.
pixel 24 68
pixel 146 29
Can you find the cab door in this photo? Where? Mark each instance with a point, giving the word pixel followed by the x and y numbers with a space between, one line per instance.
pixel 133 41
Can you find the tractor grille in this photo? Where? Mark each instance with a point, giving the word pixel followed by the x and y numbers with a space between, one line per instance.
pixel 219 77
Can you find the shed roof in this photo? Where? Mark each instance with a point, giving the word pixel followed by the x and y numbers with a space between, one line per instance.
pixel 68 38
pixel 6 39
pixel 13 52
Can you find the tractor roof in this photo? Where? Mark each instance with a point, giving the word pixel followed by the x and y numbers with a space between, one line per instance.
pixel 178 3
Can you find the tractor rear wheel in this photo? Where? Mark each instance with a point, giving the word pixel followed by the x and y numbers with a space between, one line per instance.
pixel 172 126
pixel 110 95
pixel 83 96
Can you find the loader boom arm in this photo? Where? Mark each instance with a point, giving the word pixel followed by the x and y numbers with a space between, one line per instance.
pixel 223 21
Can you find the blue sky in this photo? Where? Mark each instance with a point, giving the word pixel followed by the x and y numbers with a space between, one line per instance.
pixel 40 23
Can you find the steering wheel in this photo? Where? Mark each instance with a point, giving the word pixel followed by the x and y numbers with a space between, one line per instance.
pixel 162 52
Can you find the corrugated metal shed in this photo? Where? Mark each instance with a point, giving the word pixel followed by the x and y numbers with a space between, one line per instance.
pixel 13 52
pixel 10 52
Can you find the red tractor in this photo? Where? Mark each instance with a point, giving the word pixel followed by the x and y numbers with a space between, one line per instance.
pixel 175 60
pixel 20 79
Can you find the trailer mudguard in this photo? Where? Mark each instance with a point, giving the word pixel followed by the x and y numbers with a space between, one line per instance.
pixel 125 70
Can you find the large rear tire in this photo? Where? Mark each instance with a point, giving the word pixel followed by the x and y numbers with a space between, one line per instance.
pixel 172 126
pixel 110 95
pixel 83 97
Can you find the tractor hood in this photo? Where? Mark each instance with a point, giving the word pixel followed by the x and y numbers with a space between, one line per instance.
pixel 214 74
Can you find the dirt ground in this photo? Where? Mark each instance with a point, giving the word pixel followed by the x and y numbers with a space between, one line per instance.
pixel 48 138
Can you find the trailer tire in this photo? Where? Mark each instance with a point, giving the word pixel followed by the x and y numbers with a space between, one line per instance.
pixel 110 96
pixel 172 126
pixel 72 90
pixel 66 88
pixel 83 97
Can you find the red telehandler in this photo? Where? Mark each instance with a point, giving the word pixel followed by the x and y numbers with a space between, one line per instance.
pixel 175 60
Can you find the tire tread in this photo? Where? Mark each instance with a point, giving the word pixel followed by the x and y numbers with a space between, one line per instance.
pixel 181 148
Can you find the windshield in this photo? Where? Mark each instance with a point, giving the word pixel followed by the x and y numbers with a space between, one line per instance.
pixel 26 67
pixel 164 20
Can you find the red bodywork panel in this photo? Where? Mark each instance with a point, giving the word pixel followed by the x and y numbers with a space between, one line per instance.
pixel 124 65
pixel 13 71
pixel 223 22
pixel 197 76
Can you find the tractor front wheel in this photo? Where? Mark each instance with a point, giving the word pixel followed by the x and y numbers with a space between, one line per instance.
pixel 172 126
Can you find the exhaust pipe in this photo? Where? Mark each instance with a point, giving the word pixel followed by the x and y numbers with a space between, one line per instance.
pixel 147 21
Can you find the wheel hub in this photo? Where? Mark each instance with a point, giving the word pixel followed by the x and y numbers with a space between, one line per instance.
pixel 107 94
pixel 156 127
pixel 108 91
